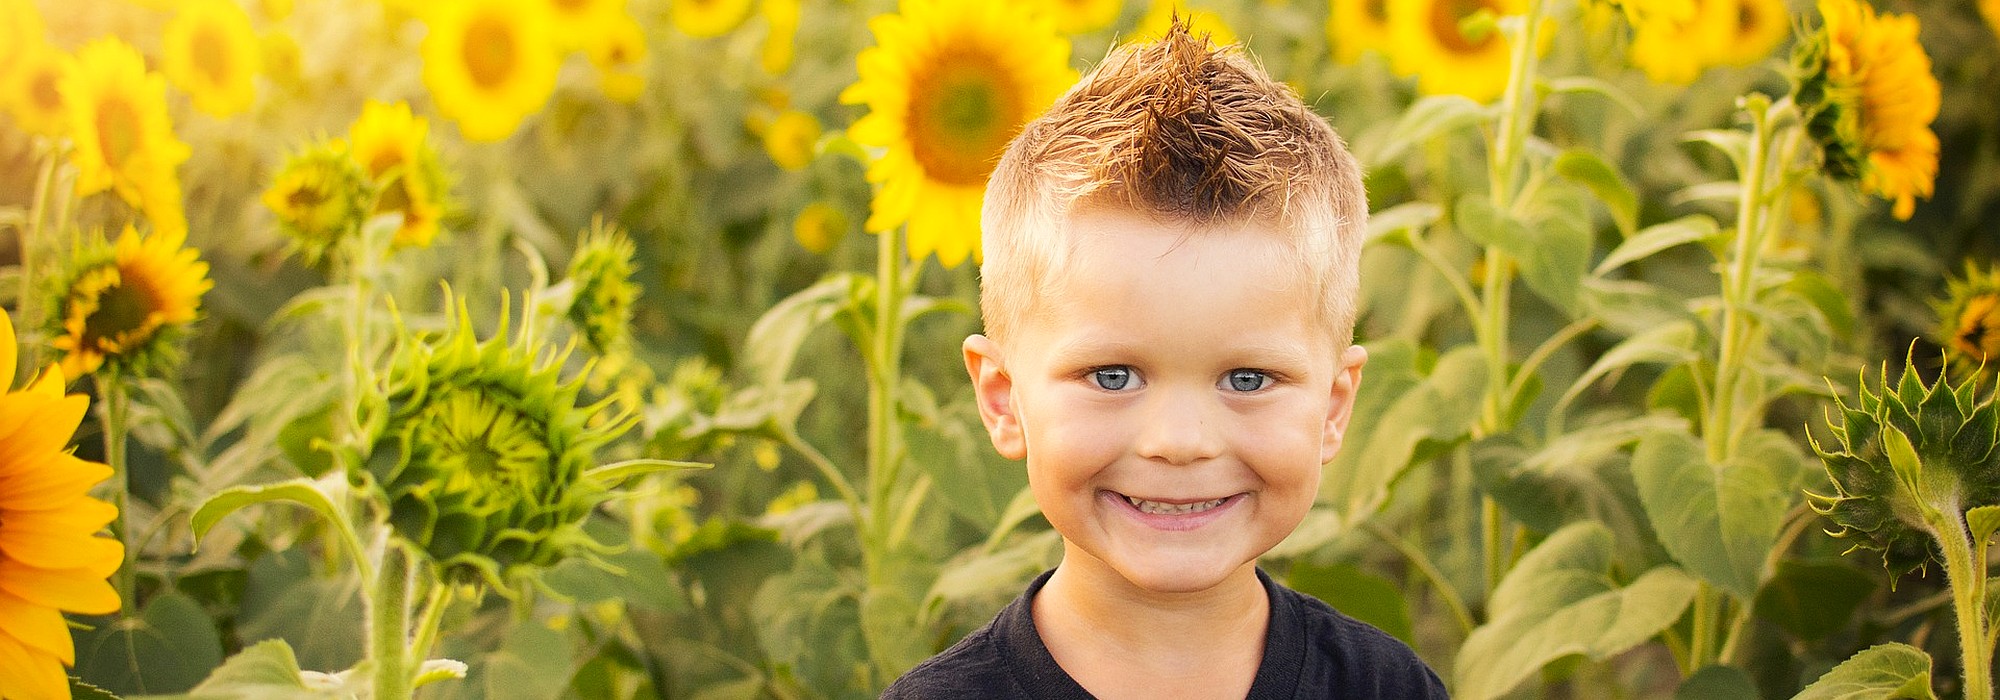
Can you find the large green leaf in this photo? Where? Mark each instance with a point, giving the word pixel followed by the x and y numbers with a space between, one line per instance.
pixel 973 480
pixel 1881 672
pixel 775 338
pixel 1552 245
pixel 1589 169
pixel 1813 599
pixel 1655 238
pixel 319 616
pixel 322 496
pixel 535 663
pixel 1401 418
pixel 168 648
pixel 1398 223
pixel 1560 600
pixel 1719 521
pixel 1717 683
pixel 1356 593
pixel 266 669
pixel 1668 344
pixel 1428 118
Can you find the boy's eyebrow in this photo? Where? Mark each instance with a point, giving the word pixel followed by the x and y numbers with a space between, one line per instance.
pixel 1272 354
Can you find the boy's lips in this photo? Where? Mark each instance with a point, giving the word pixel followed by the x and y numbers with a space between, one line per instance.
pixel 1175 514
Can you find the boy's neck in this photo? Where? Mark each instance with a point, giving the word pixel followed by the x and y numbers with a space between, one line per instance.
pixel 1117 640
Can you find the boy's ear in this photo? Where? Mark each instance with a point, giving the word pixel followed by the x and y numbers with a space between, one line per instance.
pixel 1345 384
pixel 994 390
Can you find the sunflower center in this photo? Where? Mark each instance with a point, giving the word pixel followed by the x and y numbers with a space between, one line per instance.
pixel 305 197
pixel 118 130
pixel 573 6
pixel 484 449
pixel 1377 10
pixel 490 52
pixel 1979 327
pixel 210 56
pixel 42 88
pixel 1445 19
pixel 122 310
pixel 963 109
pixel 382 160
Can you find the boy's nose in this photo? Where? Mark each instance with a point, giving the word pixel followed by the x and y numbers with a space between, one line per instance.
pixel 1178 431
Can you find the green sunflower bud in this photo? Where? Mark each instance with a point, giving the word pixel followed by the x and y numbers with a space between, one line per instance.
pixel 1831 112
pixel 1911 462
pixel 321 197
pixel 601 272
pixel 484 450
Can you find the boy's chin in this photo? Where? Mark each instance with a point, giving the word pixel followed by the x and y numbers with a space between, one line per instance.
pixel 1172 575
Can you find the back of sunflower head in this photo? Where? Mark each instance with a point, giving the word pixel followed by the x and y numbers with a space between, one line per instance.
pixel 1185 131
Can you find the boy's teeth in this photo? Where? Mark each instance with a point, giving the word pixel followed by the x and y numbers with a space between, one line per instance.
pixel 1158 508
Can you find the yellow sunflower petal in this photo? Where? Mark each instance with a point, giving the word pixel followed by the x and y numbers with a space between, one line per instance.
pixel 61 537
pixel 9 353
pixel 74 590
pixel 36 627
pixel 27 674
pixel 33 485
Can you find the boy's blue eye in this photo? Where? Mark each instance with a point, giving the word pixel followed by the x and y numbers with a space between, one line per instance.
pixel 1247 380
pixel 1112 378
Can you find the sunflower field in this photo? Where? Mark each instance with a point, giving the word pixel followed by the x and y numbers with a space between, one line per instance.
pixel 610 348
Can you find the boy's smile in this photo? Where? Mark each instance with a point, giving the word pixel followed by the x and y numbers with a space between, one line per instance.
pixel 1174 395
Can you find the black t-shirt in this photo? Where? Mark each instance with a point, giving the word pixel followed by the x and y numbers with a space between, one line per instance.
pixel 1310 651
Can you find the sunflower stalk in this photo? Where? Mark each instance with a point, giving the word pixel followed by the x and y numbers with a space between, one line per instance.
pixel 28 304
pixel 389 617
pixel 885 375
pixel 117 409
pixel 1504 164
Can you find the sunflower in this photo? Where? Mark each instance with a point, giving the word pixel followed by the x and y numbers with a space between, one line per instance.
pixel 1200 23
pixel 1866 88
pixel 1080 16
pixel 123 139
pixel 21 28
pixel 781 17
pixel 1759 27
pixel 212 53
pixel 282 60
pixel 619 54
pixel 321 197
pixel 1673 41
pixel 577 24
pixel 947 85
pixel 1354 27
pixel 120 306
pixel 600 278
pixel 30 90
pixel 704 19
pixel 393 147
pixel 789 139
pixel 483 452
pixel 1426 40
pixel 1969 315
pixel 51 559
pixel 819 226
pixel 490 64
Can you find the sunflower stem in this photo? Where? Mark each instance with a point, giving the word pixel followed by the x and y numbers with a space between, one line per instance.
pixel 116 406
pixel 1966 574
pixel 428 622
pixel 28 305
pixel 885 370
pixel 389 619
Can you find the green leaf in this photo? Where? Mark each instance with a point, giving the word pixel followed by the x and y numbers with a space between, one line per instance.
pixel 1400 419
pixel 1903 457
pixel 612 475
pixel 1631 307
pixel 1000 574
pixel 1717 683
pixel 1881 672
pixel 1583 84
pixel 1813 599
pixel 1428 118
pixel 1669 344
pixel 1559 601
pixel 774 340
pixel 1359 594
pixel 168 648
pixel 266 669
pixel 1483 224
pixel 1718 521
pixel 889 626
pixel 533 664
pixel 319 616
pixel 79 690
pixel 434 670
pixel 305 492
pixel 1399 222
pixel 1589 169
pixel 1831 303
pixel 1732 143
pixel 1655 238
pixel 1982 521
pixel 973 480
pixel 1554 252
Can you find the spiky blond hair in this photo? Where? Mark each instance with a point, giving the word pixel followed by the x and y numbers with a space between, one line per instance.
pixel 1186 132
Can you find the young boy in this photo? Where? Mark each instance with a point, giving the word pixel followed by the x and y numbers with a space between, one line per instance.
pixel 1169 294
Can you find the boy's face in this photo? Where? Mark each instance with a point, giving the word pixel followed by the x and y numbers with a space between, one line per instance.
pixel 1174 399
